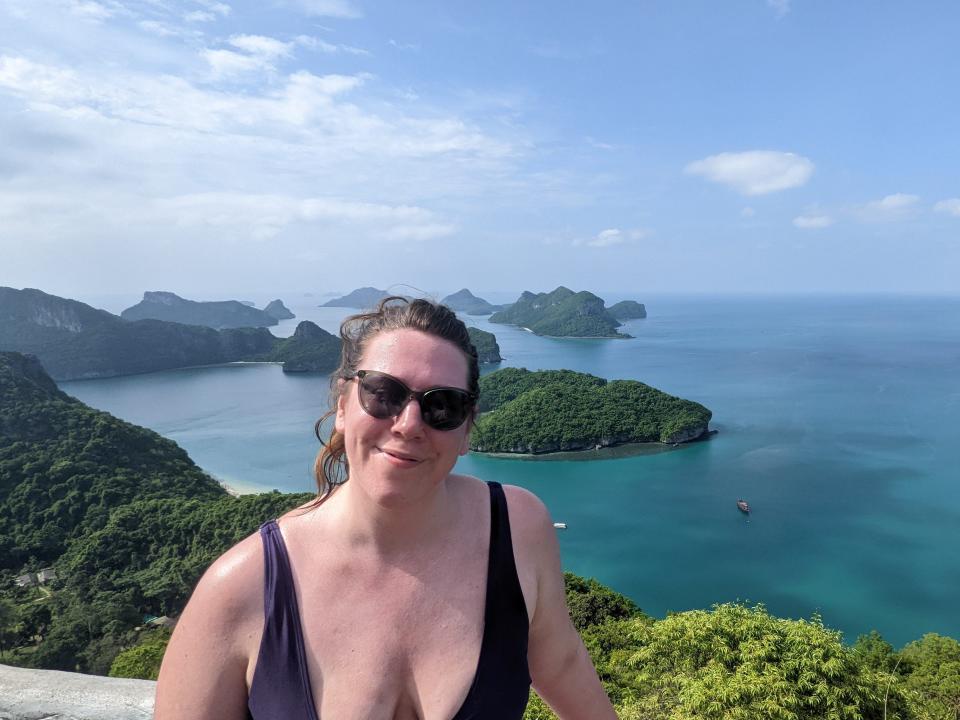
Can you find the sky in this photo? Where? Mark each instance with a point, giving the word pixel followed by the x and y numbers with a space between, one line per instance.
pixel 225 149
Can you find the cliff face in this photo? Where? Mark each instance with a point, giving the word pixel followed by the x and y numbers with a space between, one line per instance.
pixel 218 315
pixel 277 309
pixel 75 341
pixel 485 343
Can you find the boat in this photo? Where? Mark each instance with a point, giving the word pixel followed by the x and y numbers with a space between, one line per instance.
pixel 743 506
pixel 560 526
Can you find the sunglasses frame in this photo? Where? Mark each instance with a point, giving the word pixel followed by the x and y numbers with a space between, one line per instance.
pixel 469 403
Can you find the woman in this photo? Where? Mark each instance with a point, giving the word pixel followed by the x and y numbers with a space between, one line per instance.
pixel 403 591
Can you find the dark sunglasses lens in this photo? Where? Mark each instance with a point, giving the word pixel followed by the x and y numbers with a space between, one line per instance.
pixel 444 409
pixel 381 396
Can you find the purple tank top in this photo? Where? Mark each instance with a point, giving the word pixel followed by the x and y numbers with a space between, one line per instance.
pixel 281 684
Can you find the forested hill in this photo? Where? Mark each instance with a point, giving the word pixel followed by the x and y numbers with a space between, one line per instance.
pixel 562 410
pixel 123 515
pixel 64 466
pixel 75 341
pixel 217 314
pixel 560 313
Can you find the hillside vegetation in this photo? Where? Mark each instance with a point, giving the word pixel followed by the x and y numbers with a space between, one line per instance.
pixel 562 410
pixel 129 523
pixel 75 341
pixel 560 313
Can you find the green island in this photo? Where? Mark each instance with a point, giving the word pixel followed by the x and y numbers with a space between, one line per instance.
pixel 561 313
pixel 361 298
pixel 120 524
pixel 277 309
pixel 561 410
pixel 75 341
pixel 218 315
pixel 628 310
pixel 465 301
pixel 488 351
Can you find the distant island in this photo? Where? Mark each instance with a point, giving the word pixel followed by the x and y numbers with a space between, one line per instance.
pixel 75 341
pixel 561 313
pixel 466 302
pixel 276 308
pixel 488 351
pixel 217 315
pixel 627 310
pixel 309 349
pixel 562 410
pixel 361 298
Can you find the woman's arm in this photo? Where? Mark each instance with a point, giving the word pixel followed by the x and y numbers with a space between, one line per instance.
pixel 562 672
pixel 203 674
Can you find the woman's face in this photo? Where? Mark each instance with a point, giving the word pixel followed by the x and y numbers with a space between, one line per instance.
pixel 400 459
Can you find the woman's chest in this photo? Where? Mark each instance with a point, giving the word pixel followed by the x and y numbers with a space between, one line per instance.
pixel 393 645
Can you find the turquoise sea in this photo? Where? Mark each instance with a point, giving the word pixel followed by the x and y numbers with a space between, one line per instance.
pixel 838 420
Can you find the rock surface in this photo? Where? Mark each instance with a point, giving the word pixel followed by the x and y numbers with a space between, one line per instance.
pixel 53 695
pixel 217 315
pixel 277 309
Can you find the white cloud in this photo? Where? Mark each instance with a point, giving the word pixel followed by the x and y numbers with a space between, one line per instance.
pixel 265 216
pixel 606 238
pixel 756 172
pixel 90 10
pixel 611 237
pixel 324 46
pixel 227 63
pixel 328 8
pixel 404 46
pixel 261 45
pixel 950 206
pixel 810 221
pixel 889 209
pixel 593 142
pixel 199 16
pixel 781 7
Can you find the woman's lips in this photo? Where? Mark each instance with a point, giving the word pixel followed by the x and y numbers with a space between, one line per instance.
pixel 399 457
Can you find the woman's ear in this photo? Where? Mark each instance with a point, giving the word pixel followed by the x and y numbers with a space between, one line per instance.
pixel 339 420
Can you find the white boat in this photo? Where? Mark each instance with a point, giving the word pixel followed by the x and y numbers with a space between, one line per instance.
pixel 560 526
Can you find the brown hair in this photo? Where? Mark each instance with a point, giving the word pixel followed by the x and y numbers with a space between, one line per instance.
pixel 393 313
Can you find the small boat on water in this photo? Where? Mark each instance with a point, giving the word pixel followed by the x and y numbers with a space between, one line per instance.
pixel 560 526
pixel 743 506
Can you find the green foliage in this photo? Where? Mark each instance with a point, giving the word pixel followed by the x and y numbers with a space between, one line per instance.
pixel 559 410
pixel 931 668
pixel 875 653
pixel 561 313
pixel 125 517
pixel 309 349
pixel 142 660
pixel 591 603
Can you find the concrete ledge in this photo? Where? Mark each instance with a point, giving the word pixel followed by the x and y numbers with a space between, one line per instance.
pixel 54 695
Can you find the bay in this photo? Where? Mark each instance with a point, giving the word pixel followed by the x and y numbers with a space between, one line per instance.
pixel 837 420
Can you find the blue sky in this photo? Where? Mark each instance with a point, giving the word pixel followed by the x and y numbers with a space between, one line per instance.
pixel 220 149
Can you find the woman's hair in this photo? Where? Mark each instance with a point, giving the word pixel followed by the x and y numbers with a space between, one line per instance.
pixel 393 313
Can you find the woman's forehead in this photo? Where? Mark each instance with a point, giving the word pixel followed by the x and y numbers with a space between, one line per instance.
pixel 419 359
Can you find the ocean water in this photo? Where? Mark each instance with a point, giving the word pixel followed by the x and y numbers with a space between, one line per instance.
pixel 837 420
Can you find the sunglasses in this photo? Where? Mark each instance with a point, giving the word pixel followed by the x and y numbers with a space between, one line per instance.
pixel 442 408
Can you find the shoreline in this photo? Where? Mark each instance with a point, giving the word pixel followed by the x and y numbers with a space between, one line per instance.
pixel 608 452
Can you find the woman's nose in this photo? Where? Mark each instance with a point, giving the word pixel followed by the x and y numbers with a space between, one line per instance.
pixel 410 420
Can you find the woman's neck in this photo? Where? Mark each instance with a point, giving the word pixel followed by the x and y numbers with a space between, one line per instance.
pixel 395 528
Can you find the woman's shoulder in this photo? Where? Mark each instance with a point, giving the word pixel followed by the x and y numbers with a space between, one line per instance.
pixel 231 590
